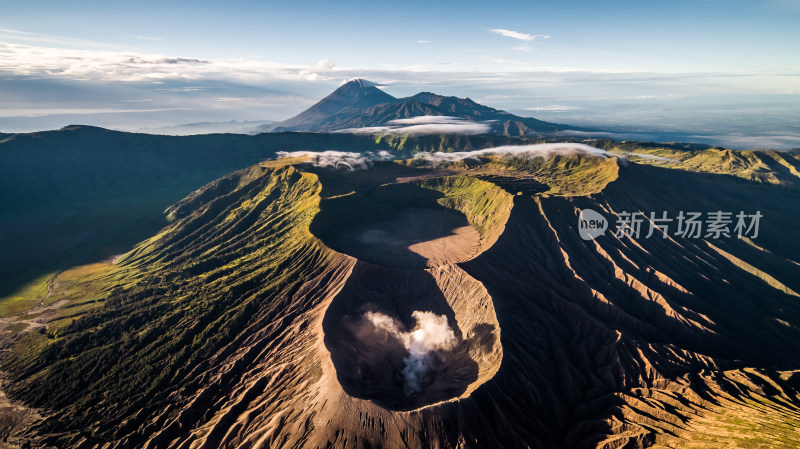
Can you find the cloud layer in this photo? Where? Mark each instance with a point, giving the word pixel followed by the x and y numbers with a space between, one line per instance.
pixel 43 86
pixel 545 150
pixel 359 161
pixel 338 159
pixel 106 65
pixel 425 125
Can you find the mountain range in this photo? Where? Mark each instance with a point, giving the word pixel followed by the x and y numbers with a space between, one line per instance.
pixel 360 104
pixel 337 290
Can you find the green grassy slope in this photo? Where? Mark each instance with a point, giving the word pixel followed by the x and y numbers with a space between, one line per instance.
pixel 773 167
pixel 180 301
pixel 82 193
pixel 202 329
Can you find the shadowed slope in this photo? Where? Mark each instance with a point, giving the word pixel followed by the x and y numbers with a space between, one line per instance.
pixel 237 260
pixel 610 322
pixel 82 194
pixel 414 225
pixel 229 328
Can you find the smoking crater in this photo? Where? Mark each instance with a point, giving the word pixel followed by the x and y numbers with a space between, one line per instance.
pixel 431 334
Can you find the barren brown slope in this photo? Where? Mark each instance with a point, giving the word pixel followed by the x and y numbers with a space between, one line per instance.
pixel 607 325
pixel 229 328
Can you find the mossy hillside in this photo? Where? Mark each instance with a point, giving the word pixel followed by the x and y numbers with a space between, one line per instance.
pixel 60 299
pixel 83 194
pixel 568 174
pixel 767 166
pixel 26 297
pixel 574 174
pixel 484 204
pixel 205 279
pixel 403 144
pixel 237 252
pixel 77 290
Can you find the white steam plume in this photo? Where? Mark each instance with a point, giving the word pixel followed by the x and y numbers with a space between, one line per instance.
pixel 431 333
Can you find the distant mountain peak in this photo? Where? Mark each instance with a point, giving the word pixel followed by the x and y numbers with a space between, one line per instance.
pixel 360 103
pixel 359 82
pixel 359 92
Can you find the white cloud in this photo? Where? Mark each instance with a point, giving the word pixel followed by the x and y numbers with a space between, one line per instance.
pixel 235 99
pixel 423 42
pixel 338 159
pixel 313 73
pixel 525 48
pixel 128 66
pixel 106 65
pixel 40 78
pixel 37 112
pixel 518 35
pixel 425 125
pixel 427 120
pixel 24 37
pixel 149 38
pixel 358 161
pixel 463 128
pixel 325 65
pixel 515 151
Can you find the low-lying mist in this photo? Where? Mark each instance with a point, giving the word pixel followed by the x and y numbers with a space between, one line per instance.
pixel 339 159
pixel 425 125
pixel 357 161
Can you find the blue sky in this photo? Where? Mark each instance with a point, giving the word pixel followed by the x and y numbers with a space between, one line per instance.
pixel 703 65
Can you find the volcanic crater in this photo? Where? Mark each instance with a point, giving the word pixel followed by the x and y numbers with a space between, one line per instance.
pixel 410 328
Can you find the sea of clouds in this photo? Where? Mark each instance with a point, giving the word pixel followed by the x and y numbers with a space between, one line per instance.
pixel 339 159
pixel 426 125
pixel 357 161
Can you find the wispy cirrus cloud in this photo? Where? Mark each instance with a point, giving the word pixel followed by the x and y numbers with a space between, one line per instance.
pixel 43 112
pixel 24 37
pixel 518 35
